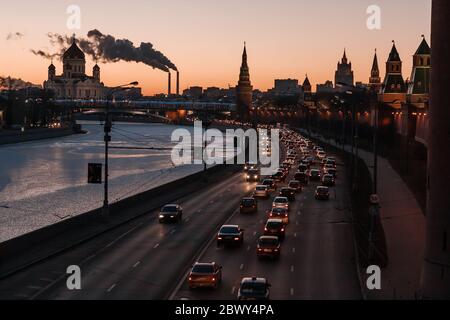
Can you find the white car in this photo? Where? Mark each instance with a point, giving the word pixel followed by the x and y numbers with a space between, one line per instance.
pixel 261 191
pixel 321 155
pixel 281 202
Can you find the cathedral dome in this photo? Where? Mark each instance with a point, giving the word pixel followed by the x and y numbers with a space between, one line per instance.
pixel 74 52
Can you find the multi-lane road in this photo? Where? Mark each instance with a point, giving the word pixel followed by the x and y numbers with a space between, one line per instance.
pixel 147 260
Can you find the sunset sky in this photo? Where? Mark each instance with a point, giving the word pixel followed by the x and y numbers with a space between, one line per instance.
pixel 204 38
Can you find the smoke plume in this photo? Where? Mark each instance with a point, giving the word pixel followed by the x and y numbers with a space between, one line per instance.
pixel 14 36
pixel 107 48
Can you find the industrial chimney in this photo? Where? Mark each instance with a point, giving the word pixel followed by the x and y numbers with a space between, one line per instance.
pixel 169 91
pixel 178 83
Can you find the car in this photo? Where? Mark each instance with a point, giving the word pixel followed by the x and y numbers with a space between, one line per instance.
pixel 270 183
pixel 305 163
pixel 261 191
pixel 331 171
pixel 171 213
pixel 321 155
pixel 303 168
pixel 279 176
pixel 275 227
pixel 296 185
pixel 302 177
pixel 330 163
pixel 314 175
pixel 249 166
pixel 252 175
pixel 280 213
pixel 288 193
pixel 205 275
pixel 268 246
pixel 254 289
pixel 322 193
pixel 248 205
pixel 328 180
pixel 230 235
pixel 281 202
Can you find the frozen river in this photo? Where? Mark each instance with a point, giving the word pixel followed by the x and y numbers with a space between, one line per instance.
pixel 43 182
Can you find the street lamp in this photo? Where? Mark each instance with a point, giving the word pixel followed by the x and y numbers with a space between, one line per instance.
pixel 107 138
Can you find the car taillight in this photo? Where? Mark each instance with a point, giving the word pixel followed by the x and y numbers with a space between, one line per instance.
pixel 190 278
pixel 236 239
pixel 265 229
pixel 219 238
pixel 213 279
pixel 282 230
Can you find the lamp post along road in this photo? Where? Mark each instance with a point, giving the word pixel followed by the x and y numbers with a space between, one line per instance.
pixel 107 138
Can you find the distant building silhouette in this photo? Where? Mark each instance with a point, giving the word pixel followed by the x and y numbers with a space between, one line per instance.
pixel 244 89
pixel 344 72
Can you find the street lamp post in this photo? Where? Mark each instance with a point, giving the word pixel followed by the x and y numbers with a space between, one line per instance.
pixel 107 138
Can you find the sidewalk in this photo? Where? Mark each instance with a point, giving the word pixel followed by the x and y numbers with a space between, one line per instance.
pixel 404 226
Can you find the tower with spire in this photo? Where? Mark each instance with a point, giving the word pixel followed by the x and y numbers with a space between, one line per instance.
pixel 244 89
pixel 375 80
pixel 307 85
pixel 344 72
pixel 393 92
pixel 419 85
pixel 393 81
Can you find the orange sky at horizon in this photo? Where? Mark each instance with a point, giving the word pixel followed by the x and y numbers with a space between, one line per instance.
pixel 285 38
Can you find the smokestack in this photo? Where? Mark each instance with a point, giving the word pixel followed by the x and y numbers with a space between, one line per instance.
pixel 169 91
pixel 178 83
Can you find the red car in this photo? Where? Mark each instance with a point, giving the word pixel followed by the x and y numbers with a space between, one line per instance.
pixel 205 275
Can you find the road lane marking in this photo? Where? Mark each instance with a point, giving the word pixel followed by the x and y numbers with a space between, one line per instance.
pixel 292 291
pixel 173 231
pixel 292 268
pixel 111 288
pixel 295 235
pixel 124 234
pixel 233 290
pixel 187 219
pixel 136 264
pixel 293 250
pixel 34 287
pixel 57 272
pixel 305 197
pixel 296 223
pixel 199 210
pixel 156 246
pixel 299 213
pixel 301 204
pixel 241 267
pixel 254 234
pixel 248 248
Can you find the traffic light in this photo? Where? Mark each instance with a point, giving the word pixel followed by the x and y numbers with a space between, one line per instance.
pixel 95 173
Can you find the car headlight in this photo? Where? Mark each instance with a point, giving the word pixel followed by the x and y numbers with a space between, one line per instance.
pixel 161 216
